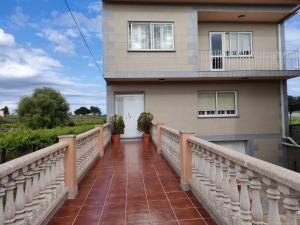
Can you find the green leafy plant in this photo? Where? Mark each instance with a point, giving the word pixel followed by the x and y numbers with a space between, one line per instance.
pixel 20 141
pixel 117 125
pixel 144 122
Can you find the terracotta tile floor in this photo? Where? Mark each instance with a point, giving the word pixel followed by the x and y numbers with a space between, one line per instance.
pixel 131 185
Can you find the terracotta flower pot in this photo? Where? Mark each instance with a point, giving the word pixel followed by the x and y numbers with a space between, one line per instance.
pixel 147 138
pixel 115 138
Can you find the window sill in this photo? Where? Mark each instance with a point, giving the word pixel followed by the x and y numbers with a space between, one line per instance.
pixel 218 116
pixel 162 51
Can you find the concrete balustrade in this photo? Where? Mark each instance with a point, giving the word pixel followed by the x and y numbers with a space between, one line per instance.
pixel 33 187
pixel 236 189
pixel 170 147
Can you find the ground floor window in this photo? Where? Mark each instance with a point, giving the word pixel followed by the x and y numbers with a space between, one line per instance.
pixel 217 104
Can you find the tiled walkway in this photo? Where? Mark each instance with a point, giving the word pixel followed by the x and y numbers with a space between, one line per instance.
pixel 131 185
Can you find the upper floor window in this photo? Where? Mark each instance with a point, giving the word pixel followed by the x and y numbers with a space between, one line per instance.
pixel 148 36
pixel 238 43
pixel 217 104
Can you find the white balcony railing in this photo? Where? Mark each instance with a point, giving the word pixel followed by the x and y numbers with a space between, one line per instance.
pixel 256 60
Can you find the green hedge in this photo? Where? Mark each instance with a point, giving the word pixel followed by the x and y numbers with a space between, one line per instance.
pixel 18 142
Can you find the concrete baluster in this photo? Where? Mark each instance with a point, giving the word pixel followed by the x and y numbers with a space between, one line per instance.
pixel 212 179
pixel 226 190
pixel 20 199
pixel 29 205
pixel 2 215
pixel 256 209
pixel 234 196
pixel 290 204
pixel 244 198
pixel 273 196
pixel 219 194
pixel 10 207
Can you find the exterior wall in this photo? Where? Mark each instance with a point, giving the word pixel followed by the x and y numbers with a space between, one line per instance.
pixel 264 45
pixel 117 58
pixel 258 122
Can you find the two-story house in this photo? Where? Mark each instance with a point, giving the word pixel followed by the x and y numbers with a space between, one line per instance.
pixel 215 67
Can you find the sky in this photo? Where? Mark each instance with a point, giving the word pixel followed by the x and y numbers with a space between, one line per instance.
pixel 40 46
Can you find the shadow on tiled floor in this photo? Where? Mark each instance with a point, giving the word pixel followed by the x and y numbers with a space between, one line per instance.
pixel 131 185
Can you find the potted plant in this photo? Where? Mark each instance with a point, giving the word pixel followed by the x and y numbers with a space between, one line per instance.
pixel 117 128
pixel 144 124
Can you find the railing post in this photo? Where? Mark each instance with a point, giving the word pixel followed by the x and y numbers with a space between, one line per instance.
pixel 100 140
pixel 158 134
pixel 70 164
pixel 186 160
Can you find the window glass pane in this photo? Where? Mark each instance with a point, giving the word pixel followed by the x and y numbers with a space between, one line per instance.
pixel 163 36
pixel 216 44
pixel 157 36
pixel 140 36
pixel 226 102
pixel 167 36
pixel 234 43
pixel 245 43
pixel 207 103
pixel 227 44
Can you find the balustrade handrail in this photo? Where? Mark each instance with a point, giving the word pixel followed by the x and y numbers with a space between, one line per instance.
pixel 87 133
pixel 23 161
pixel 171 130
pixel 279 174
pixel 106 125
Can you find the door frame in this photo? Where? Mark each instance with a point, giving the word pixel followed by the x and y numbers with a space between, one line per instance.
pixel 211 54
pixel 129 93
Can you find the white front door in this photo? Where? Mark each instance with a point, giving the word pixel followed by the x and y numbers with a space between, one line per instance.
pixel 130 106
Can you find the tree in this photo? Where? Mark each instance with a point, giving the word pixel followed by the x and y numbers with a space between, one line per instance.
pixel 293 100
pixel 6 111
pixel 82 111
pixel 46 108
pixel 95 110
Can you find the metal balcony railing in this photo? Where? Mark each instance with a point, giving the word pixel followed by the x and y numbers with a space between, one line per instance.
pixel 249 60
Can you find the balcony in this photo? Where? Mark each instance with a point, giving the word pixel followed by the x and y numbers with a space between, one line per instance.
pixel 251 61
pixel 177 179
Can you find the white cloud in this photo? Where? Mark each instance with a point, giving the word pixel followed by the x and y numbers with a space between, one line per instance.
pixel 95 7
pixel 19 19
pixel 19 62
pixel 90 26
pixel 6 39
pixel 62 43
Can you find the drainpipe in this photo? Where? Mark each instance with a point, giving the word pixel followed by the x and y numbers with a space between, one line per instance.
pixel 280 48
pixel 283 82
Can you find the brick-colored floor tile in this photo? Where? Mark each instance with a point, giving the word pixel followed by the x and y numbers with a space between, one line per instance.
pixel 131 185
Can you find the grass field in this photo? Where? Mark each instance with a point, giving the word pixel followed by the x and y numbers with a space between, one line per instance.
pixel 294 120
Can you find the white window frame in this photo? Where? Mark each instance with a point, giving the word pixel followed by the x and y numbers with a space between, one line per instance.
pixel 238 44
pixel 152 49
pixel 216 115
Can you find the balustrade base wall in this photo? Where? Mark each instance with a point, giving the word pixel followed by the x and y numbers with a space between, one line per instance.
pixel 47 215
pixel 205 205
